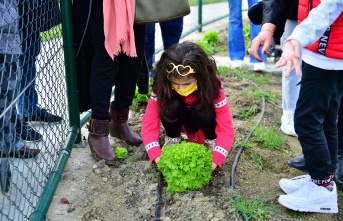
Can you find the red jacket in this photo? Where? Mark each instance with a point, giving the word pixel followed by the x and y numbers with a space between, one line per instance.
pixel 224 129
pixel 330 44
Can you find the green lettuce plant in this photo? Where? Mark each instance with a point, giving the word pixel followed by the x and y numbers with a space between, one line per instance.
pixel 185 166
pixel 121 152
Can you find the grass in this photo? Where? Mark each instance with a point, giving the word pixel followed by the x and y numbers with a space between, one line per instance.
pixel 132 158
pixel 209 42
pixel 245 73
pixel 258 92
pixel 270 138
pixel 53 33
pixel 257 160
pixel 247 114
pixel 253 208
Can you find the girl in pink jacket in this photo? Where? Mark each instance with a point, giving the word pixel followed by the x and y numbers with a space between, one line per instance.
pixel 188 97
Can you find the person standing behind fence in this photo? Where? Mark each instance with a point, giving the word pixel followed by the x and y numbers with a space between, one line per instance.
pixel 109 51
pixel 11 143
pixel 236 45
pixel 171 32
pixel 33 20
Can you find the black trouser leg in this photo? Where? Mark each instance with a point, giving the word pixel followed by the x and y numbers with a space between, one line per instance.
pixel 103 68
pixel 340 129
pixel 129 70
pixel 315 118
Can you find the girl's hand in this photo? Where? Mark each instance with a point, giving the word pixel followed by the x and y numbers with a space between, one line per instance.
pixel 214 166
pixel 157 160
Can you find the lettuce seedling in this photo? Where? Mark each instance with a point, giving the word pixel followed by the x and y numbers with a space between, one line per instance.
pixel 185 166
pixel 121 152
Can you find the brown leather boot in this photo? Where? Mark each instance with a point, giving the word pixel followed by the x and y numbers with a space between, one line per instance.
pixel 119 127
pixel 99 142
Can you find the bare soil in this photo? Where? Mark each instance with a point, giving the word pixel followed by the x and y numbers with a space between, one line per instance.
pixel 129 190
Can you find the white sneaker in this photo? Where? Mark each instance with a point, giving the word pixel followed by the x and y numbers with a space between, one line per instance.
pixel 293 184
pixel 259 66
pixel 236 64
pixel 287 123
pixel 311 198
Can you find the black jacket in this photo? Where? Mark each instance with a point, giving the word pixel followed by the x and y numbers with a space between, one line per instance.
pixel 277 12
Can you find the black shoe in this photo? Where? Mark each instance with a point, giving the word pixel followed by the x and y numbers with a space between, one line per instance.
pixel 24 152
pixel 339 171
pixel 5 175
pixel 277 55
pixel 43 116
pixel 297 162
pixel 26 132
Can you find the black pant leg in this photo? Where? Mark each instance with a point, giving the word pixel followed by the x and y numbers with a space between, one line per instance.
pixel 103 68
pixel 129 70
pixel 315 118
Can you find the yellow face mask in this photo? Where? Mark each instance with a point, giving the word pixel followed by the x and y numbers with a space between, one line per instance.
pixel 186 91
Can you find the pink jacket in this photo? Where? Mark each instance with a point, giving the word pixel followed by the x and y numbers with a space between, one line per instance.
pixel 224 129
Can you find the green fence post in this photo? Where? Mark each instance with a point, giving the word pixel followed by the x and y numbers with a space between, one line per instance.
pixel 70 65
pixel 200 15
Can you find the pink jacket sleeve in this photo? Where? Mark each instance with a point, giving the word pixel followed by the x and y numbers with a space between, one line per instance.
pixel 224 129
pixel 151 128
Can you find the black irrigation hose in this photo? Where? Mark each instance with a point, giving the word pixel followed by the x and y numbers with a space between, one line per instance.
pixel 159 202
pixel 238 155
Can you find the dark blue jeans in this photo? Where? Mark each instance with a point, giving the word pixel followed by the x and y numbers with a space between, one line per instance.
pixel 340 129
pixel 171 32
pixel 315 118
pixel 28 102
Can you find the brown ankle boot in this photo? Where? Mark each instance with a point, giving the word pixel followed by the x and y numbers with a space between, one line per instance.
pixel 99 142
pixel 119 127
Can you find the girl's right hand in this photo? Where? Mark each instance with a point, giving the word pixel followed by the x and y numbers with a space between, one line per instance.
pixel 157 160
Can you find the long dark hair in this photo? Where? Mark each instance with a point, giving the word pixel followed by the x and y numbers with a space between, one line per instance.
pixel 206 74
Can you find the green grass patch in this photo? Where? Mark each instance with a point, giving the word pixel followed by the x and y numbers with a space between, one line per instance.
pixel 246 34
pixel 140 100
pixel 257 160
pixel 208 42
pixel 259 79
pixel 247 114
pixel 53 33
pixel 270 138
pixel 227 71
pixel 132 158
pixel 258 92
pixel 253 208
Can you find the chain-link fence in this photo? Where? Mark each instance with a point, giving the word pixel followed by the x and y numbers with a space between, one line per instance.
pixel 39 119
pixel 33 116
